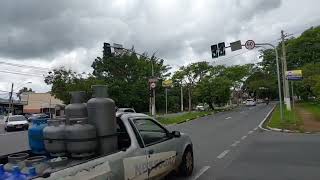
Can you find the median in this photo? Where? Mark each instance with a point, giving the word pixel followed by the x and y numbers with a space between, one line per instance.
pixel 305 117
pixel 183 117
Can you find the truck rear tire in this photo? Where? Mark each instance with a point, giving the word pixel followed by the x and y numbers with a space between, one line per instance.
pixel 186 166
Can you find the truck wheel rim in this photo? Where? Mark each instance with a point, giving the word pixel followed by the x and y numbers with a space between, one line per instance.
pixel 189 162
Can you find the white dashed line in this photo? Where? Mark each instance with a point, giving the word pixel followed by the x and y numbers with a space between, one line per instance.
pixel 228 117
pixel 250 132
pixel 235 144
pixel 255 128
pixel 197 175
pixel 243 137
pixel 223 154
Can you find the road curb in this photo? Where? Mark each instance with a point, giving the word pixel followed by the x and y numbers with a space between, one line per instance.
pixel 265 119
pixel 268 128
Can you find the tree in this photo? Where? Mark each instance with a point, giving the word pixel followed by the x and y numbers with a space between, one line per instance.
pixel 214 90
pixel 237 74
pixel 190 75
pixel 22 90
pixel 63 81
pixel 127 78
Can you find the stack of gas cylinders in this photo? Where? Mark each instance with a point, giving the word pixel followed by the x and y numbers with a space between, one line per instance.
pixel 86 130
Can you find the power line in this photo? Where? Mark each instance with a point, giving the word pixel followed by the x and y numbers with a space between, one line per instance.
pixel 43 69
pixel 19 73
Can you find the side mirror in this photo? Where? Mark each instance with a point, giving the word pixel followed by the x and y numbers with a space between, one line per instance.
pixel 6 121
pixel 176 133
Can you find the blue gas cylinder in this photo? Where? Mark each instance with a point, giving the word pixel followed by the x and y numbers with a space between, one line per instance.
pixel 16 174
pixel 3 173
pixel 32 173
pixel 35 134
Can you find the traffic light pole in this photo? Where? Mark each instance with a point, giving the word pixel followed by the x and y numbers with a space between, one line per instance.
pixel 278 74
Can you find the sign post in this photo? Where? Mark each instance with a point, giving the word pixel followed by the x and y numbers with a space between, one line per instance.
pixel 294 75
pixel 167 84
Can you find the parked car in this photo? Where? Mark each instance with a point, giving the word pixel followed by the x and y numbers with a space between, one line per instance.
pixel 38 116
pixel 16 122
pixel 250 102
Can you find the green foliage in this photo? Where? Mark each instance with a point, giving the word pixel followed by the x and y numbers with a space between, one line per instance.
pixel 302 53
pixel 214 90
pixel 304 49
pixel 127 78
pixel 184 117
pixel 64 81
pixel 291 120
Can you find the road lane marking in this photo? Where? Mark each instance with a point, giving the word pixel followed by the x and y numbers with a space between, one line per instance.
pixel 255 128
pixel 243 137
pixel 228 117
pixel 202 170
pixel 250 132
pixel 223 154
pixel 235 144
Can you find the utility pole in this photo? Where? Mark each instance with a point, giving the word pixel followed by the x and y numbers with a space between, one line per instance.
pixel 278 75
pixel 181 91
pixel 166 100
pixel 153 104
pixel 10 99
pixel 285 82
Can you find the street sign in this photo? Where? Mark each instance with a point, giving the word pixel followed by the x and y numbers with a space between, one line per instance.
pixel 167 83
pixel 151 80
pixel 153 85
pixel 294 75
pixel 118 48
pixel 250 44
pixel 236 45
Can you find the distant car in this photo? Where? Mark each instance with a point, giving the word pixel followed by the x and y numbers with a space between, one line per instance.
pixel 250 102
pixel 200 108
pixel 16 122
pixel 126 110
pixel 38 116
pixel 260 100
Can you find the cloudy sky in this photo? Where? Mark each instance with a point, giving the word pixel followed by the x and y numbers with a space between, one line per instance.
pixel 40 35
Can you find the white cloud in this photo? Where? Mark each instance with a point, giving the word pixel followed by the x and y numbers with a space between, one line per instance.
pixel 70 33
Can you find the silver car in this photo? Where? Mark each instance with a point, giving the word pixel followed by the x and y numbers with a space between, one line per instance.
pixel 15 122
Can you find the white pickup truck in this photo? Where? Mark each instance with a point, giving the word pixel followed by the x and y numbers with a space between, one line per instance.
pixel 146 150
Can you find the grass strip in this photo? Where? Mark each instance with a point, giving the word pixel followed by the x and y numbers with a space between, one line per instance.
pixel 184 117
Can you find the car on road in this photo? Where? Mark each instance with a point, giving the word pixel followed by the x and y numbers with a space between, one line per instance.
pixel 16 122
pixel 38 116
pixel 251 102
pixel 126 110
pixel 200 108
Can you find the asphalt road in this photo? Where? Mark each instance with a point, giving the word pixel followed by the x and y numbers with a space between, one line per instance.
pixel 229 146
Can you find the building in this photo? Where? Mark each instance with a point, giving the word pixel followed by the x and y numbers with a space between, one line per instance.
pixel 40 102
pixel 17 106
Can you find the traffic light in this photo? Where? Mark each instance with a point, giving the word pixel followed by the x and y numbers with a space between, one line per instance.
pixel 150 92
pixel 222 49
pixel 106 49
pixel 214 51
